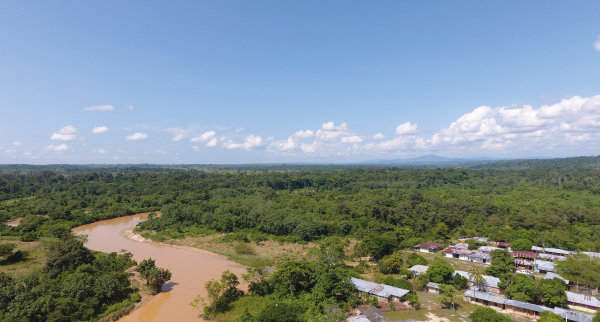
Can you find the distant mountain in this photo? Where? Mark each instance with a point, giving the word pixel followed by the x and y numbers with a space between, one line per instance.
pixel 427 159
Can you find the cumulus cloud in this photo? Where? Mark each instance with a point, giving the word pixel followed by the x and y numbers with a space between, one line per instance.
pixel 379 136
pixel 102 151
pixel 206 136
pixel 304 134
pixel 597 44
pixel 66 133
pixel 57 148
pixel 351 139
pixel 100 129
pixel 250 142
pixel 212 143
pixel 195 148
pixel 406 129
pixel 99 108
pixel 330 126
pixel 136 137
pixel 17 143
pixel 283 145
pixel 178 133
pixel 129 107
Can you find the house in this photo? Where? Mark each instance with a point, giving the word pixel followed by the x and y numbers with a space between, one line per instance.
pixel 543 266
pixel 480 257
pixel 523 254
pixel 502 245
pixel 433 288
pixel 429 247
pixel 372 314
pixel 485 299
pixel 419 269
pixel 523 308
pixel 523 264
pixel 383 293
pixel 552 251
pixel 592 254
pixel 580 301
pixel 458 253
pixel 551 257
pixel 487 248
pixel 551 275
pixel 573 316
pixel 490 282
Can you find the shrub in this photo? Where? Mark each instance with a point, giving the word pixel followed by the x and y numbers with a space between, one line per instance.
pixel 29 237
pixel 244 249
pixel 486 314
pixel 391 264
pixel 415 259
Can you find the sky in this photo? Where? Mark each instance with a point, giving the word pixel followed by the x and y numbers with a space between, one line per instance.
pixel 229 82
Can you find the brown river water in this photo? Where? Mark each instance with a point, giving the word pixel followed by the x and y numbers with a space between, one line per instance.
pixel 191 269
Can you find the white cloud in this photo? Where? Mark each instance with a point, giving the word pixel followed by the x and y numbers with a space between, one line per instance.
pixel 212 143
pixel 116 157
pixel 57 148
pixel 129 107
pixel 330 126
pixel 136 137
pixel 102 151
pixel 160 152
pixel 10 151
pixel 66 133
pixel 304 134
pixel 250 142
pixel 597 44
pixel 206 136
pixel 17 143
pixel 99 108
pixel 195 148
pixel 379 136
pixel 178 133
pixel 351 139
pixel 100 129
pixel 406 129
pixel 283 145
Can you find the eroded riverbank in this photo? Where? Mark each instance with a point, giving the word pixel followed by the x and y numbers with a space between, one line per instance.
pixel 191 267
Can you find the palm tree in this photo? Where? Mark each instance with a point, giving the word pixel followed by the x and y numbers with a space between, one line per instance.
pixel 476 276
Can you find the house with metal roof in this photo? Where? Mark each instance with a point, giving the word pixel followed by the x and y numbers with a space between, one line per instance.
pixel 384 293
pixel 523 308
pixel 490 284
pixel 498 244
pixel 458 253
pixel 480 257
pixel 433 288
pixel 552 251
pixel 578 301
pixel 592 254
pixel 429 247
pixel 370 314
pixel 419 269
pixel 543 266
pixel 551 275
pixel 484 299
pixel 573 316
pixel 487 248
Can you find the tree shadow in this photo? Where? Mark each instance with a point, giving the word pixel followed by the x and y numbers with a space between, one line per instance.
pixel 167 287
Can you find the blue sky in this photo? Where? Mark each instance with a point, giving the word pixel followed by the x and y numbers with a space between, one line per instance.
pixel 304 81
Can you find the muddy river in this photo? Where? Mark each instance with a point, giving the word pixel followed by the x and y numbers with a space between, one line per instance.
pixel 190 268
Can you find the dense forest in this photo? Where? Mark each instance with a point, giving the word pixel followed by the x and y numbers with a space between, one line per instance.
pixel 555 203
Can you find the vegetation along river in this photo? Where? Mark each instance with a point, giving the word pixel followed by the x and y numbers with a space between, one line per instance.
pixel 191 268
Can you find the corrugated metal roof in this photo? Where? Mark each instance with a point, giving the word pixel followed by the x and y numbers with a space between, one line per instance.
pixel 524 254
pixel 552 250
pixel 551 257
pixel 523 263
pixel 420 269
pixel 489 280
pixel 360 318
pixel 573 316
pixel 430 245
pixel 373 314
pixel 459 251
pixel 486 297
pixel 487 248
pixel 544 265
pixel 378 289
pixel 432 285
pixel 527 306
pixel 583 299
pixel 592 254
pixel 551 275
pixel 480 255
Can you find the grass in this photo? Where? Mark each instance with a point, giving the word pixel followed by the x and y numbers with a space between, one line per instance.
pixel 35 255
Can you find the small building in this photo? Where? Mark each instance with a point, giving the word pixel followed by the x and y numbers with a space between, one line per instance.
pixel 433 288
pixel 523 264
pixel 485 299
pixel 487 248
pixel 429 247
pixel 502 245
pixel 580 301
pixel 480 257
pixel 592 254
pixel 551 257
pixel 527 309
pixel 543 266
pixel 419 269
pixel 458 253
pixel 383 293
pixel 371 313
pixel 523 254
pixel 552 251
pixel 573 316
pixel 490 285
pixel 551 275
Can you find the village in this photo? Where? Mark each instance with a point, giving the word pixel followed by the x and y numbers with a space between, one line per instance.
pixel 484 291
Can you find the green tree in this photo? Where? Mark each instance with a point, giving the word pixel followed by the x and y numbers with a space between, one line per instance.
pixel 440 272
pixel 476 276
pixel 460 282
pixel 155 277
pixel 548 316
pixel 521 244
pixel 220 294
pixel 6 249
pixel 391 264
pixel 281 312
pixel 486 314
pixel 552 292
pixel 502 263
pixel 67 255
pixel 294 276
pixel 398 282
pixel 581 269
pixel 441 232
pixel 447 295
pixel 375 246
pixel 522 288
pixel 416 259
